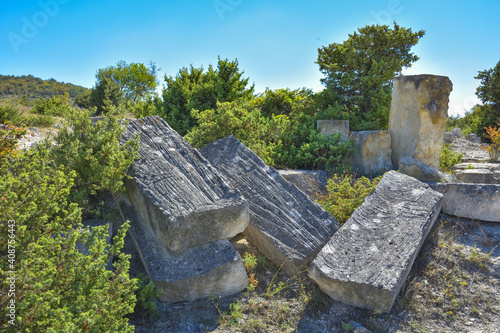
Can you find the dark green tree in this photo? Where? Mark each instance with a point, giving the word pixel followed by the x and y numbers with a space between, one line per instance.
pixel 104 93
pixel 283 101
pixel 193 88
pixel 359 72
pixel 489 93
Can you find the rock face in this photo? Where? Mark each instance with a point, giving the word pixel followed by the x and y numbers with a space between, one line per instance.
pixel 367 261
pixel 418 169
pixel 311 182
pixel 199 272
pixel 183 199
pixel 478 173
pixel 373 152
pixel 286 225
pixel 328 127
pixel 472 201
pixel 417 121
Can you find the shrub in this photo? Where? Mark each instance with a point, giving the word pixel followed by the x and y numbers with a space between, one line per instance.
pixel 448 158
pixel 146 294
pixel 345 194
pixel 94 153
pixel 57 288
pixel 11 115
pixel 9 136
pixel 55 106
pixel 493 134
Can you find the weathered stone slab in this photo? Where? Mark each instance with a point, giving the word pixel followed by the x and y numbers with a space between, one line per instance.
pixel 328 127
pixel 418 169
pixel 311 182
pixel 285 223
pixel 184 200
pixel 199 272
pixel 417 121
pixel 367 261
pixel 373 153
pixel 478 173
pixel 472 201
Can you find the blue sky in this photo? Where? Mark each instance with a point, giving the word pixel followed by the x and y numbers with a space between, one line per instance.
pixel 275 41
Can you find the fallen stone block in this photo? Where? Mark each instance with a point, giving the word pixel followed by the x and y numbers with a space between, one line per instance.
pixel 457 132
pixel 286 225
pixel 184 200
pixel 478 173
pixel 367 261
pixel 473 138
pixel 329 127
pixel 213 269
pixel 418 169
pixel 373 153
pixel 417 120
pixel 472 201
pixel 448 137
pixel 311 182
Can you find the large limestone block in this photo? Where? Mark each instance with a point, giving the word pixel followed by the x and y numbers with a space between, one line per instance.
pixel 285 223
pixel 417 121
pixel 184 200
pixel 478 173
pixel 418 169
pixel 367 261
pixel 373 152
pixel 311 182
pixel 472 201
pixel 199 272
pixel 329 127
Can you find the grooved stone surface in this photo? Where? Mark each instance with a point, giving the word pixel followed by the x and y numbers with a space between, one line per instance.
pixel 367 261
pixel 284 222
pixel 184 200
pixel 199 272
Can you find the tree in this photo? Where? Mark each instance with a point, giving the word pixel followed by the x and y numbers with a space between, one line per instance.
pixel 489 93
pixel 193 88
pixel 104 93
pixel 360 71
pixel 284 101
pixel 136 81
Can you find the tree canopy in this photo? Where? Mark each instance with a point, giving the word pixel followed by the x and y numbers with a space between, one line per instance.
pixel 359 72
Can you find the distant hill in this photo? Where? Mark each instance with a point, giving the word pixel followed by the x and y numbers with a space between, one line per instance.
pixel 34 87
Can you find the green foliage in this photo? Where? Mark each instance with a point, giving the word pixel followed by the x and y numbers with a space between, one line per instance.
pixel 195 89
pixel 9 136
pixel 345 194
pixel 56 106
pixel 57 288
pixel 250 261
pixel 28 86
pixel 135 80
pixel 359 72
pixel 284 101
pixel 151 106
pixel 146 295
pixel 10 114
pixel 448 158
pixel 242 120
pixel 106 92
pixel 94 153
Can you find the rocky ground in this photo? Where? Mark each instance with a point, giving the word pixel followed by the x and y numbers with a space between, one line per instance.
pixel 473 152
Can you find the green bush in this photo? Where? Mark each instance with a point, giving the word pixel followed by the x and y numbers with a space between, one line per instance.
pixel 146 294
pixel 95 154
pixel 57 288
pixel 448 158
pixel 39 121
pixel 11 115
pixel 345 194
pixel 55 106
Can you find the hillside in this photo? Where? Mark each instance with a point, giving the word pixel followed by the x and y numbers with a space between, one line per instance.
pixel 34 87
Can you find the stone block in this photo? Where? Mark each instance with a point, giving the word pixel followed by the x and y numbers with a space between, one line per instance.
pixel 473 138
pixel 311 182
pixel 417 120
pixel 457 132
pixel 448 137
pixel 478 173
pixel 418 169
pixel 328 127
pixel 199 272
pixel 184 200
pixel 366 262
pixel 286 225
pixel 472 201
pixel 373 153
